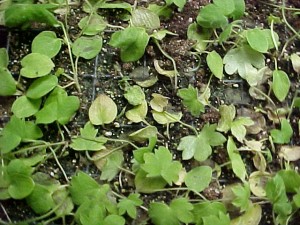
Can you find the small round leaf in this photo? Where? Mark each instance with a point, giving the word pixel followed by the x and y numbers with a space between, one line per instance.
pixel 87 47
pixel 25 107
pixel 41 86
pixel 257 40
pixel 198 178
pixel 103 110
pixel 36 65
pixel 281 84
pixel 46 43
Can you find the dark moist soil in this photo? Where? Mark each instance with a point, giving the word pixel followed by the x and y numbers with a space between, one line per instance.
pixel 102 75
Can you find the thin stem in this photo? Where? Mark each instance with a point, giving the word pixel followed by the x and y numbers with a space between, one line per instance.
pixel 123 140
pixel 292 105
pixel 68 42
pixel 266 96
pixel 44 145
pixel 172 60
pixel 58 163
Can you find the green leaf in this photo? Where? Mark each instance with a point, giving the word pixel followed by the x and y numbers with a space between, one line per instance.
pixel 114 220
pixel 160 164
pixel 16 131
pixel 179 3
pixel 40 199
pixel 63 200
pixel 215 64
pixel 21 183
pixel 199 146
pixel 281 84
pixel 23 15
pixel 91 212
pixel 242 196
pixel 46 43
pixel 145 184
pixel 58 107
pixel 276 194
pixel 112 166
pixel 295 59
pixel 166 117
pixel 183 210
pixel 25 107
pixel 191 100
pixel 138 113
pixel 142 17
pixel 132 41
pixel 199 38
pixel 134 95
pixel 103 110
pixel 159 102
pixel 7 84
pixel 220 219
pixel 198 178
pixel 41 86
pixel 227 6
pixel 291 180
pixel 238 129
pixel 162 214
pixel 83 187
pixel 237 163
pixel 241 58
pixel 128 205
pixel 36 65
pixel 211 16
pixel 144 133
pixel 139 153
pixel 161 10
pixel 257 40
pixel 239 9
pixel 88 140
pixel 4 60
pixel 87 47
pixel 92 25
pixel 282 136
pixel 206 209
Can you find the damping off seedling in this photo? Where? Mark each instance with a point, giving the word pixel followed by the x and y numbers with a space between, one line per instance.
pixel 200 146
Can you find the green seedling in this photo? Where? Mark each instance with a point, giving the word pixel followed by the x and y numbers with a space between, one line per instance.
pixel 282 136
pixel 134 95
pixel 41 86
pixel 103 110
pixel 128 205
pixel 295 59
pixel 179 3
pixel 242 196
pixel 237 126
pixel 198 178
pixel 144 133
pixel 88 140
pixel 163 11
pixel 237 163
pixel 8 83
pixel 200 146
pixel 58 107
pixel 138 113
pixel 160 164
pixel 192 100
pixel 25 107
pixel 179 210
pixel 17 131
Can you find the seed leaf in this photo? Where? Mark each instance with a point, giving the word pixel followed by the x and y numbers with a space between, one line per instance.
pixel 281 84
pixel 36 65
pixel 103 110
pixel 41 86
pixel 134 95
pixel 198 178
pixel 211 16
pixel 46 43
pixel 142 17
pixel 87 47
pixel 257 40
pixel 237 163
pixel 25 107
pixel 215 64
pixel 92 25
pixel 132 41
pixel 138 113
pixel 7 84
